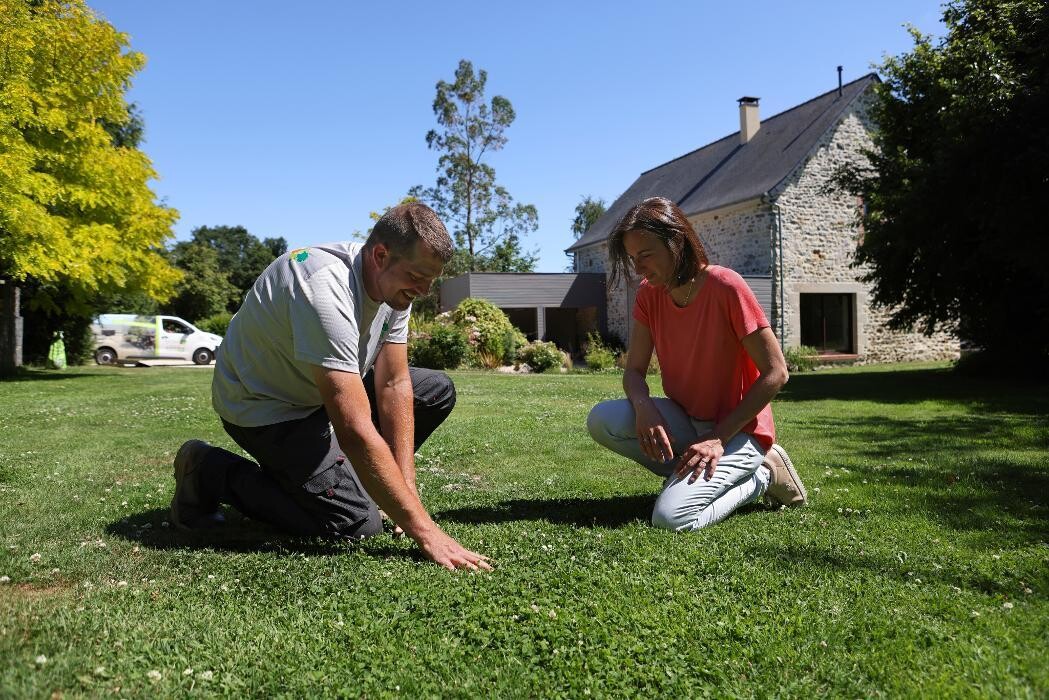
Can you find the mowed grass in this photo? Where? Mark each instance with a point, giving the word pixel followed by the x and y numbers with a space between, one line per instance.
pixel 920 568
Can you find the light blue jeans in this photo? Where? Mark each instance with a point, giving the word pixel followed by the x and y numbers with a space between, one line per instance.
pixel 737 480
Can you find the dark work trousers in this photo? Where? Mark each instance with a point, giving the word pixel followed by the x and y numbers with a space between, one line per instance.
pixel 303 483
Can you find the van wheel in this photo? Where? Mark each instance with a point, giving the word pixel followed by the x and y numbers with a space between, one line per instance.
pixel 202 356
pixel 106 356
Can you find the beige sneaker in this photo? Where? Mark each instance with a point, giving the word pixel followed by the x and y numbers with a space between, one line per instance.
pixel 785 487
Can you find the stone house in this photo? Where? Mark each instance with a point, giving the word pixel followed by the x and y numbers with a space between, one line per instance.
pixel 761 203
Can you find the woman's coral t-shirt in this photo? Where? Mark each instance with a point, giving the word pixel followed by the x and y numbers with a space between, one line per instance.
pixel 704 366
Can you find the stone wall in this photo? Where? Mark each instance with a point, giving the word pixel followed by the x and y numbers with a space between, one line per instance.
pixel 739 238
pixel 820 234
pixel 619 298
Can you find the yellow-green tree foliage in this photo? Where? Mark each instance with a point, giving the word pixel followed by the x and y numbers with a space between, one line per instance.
pixel 76 211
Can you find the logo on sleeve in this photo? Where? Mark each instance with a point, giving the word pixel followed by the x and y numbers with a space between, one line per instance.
pixel 299 255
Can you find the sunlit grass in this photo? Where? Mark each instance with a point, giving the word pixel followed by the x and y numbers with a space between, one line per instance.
pixel 920 568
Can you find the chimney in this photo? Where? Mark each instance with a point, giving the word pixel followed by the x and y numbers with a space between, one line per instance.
pixel 749 123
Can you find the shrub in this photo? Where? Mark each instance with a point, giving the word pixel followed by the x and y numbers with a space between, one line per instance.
pixel 801 358
pixel 598 357
pixel 513 341
pixel 217 324
pixel 437 345
pixel 541 356
pixel 653 364
pixel 488 331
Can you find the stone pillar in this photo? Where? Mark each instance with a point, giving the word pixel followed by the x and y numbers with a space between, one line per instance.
pixel 10 327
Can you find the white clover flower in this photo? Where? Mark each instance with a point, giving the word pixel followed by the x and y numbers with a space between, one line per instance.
pixel 36 557
pixel 121 584
pixel 188 672
pixel 5 579
pixel 100 670
pixel 1007 605
pixel 154 675
pixel 205 675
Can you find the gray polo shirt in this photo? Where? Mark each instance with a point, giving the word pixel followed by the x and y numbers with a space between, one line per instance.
pixel 308 308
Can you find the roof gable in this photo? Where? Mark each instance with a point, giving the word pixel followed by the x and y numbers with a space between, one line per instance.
pixel 726 172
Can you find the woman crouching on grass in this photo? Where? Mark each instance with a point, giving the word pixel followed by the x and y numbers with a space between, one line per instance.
pixel 712 438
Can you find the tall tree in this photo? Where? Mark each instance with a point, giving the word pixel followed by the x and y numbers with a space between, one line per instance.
pixel 77 216
pixel 205 288
pixel 587 212
pixel 241 255
pixel 955 191
pixel 481 215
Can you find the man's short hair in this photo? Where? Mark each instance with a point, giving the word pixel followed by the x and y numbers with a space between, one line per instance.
pixel 403 225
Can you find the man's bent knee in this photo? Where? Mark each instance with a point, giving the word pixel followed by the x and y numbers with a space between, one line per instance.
pixel 433 389
pixel 369 527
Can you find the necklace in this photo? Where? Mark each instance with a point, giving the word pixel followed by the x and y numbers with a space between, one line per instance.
pixel 691 284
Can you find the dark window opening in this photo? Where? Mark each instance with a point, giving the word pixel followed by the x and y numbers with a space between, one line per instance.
pixel 827 323
pixel 525 320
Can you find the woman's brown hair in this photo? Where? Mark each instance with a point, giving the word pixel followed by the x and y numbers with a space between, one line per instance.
pixel 663 218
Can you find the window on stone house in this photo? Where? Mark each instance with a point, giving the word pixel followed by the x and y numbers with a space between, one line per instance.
pixel 828 323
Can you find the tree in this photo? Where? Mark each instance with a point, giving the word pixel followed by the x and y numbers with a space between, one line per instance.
pixel 241 255
pixel 954 193
pixel 587 212
pixel 483 218
pixel 77 217
pixel 205 288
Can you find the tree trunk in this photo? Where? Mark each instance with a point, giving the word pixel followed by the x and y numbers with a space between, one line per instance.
pixel 10 328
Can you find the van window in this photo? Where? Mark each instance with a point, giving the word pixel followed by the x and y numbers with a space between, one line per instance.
pixel 171 326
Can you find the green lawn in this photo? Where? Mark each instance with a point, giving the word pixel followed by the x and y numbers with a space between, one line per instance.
pixel 920 568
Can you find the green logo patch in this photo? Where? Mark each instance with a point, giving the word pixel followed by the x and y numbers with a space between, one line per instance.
pixel 300 255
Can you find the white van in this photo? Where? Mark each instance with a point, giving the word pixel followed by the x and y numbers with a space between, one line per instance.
pixel 121 337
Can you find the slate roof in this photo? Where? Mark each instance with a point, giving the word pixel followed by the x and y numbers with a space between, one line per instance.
pixel 726 172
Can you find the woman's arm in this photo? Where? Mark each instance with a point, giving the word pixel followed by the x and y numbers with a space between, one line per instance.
pixel 652 430
pixel 764 350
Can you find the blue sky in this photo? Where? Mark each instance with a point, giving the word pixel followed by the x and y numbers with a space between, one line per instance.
pixel 297 120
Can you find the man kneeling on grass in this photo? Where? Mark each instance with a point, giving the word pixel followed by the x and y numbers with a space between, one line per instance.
pixel 296 388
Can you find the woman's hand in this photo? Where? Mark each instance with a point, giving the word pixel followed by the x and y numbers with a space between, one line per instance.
pixel 701 457
pixel 652 431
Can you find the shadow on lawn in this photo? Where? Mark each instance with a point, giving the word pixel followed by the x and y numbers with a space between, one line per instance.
pixel 582 512
pixel 242 535
pixel 913 386
pixel 26 374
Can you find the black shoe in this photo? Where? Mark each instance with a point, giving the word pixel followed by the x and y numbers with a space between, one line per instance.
pixel 187 511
